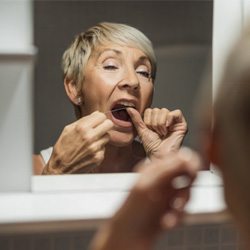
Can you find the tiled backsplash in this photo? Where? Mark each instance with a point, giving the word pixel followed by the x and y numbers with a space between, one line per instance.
pixel 201 237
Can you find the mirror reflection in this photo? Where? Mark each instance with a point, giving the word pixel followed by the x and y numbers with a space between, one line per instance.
pixel 107 107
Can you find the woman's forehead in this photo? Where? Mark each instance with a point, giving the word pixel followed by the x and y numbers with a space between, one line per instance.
pixel 116 48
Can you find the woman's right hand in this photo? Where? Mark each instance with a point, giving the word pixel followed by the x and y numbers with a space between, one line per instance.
pixel 155 203
pixel 81 146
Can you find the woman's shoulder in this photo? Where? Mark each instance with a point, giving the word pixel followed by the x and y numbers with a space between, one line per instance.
pixel 38 164
pixel 40 160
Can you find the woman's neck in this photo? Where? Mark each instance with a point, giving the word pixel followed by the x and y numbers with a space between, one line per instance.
pixel 118 159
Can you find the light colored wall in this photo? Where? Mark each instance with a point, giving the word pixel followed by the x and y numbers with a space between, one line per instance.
pixel 16 70
pixel 227 27
pixel 16 25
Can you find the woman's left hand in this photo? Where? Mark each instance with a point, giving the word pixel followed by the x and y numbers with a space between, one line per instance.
pixel 161 131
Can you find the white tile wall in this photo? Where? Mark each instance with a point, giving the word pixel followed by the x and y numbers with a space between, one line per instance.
pixel 202 237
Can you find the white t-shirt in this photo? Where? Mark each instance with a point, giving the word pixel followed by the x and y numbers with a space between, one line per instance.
pixel 46 153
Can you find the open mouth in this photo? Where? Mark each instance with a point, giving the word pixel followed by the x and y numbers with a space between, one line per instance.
pixel 119 112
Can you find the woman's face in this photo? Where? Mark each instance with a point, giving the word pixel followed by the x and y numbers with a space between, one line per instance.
pixel 117 77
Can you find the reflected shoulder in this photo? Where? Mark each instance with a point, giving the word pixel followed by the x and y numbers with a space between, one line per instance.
pixel 38 164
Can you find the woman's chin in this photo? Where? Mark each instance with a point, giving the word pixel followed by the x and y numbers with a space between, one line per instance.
pixel 120 139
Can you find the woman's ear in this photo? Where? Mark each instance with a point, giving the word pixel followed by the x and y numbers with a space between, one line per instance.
pixel 70 88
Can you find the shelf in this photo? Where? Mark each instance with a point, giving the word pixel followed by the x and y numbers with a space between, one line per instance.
pixel 52 206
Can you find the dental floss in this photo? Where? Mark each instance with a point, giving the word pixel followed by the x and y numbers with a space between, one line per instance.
pixel 114 110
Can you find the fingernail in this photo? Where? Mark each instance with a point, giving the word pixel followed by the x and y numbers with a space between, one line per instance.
pixel 178 203
pixel 169 221
pixel 180 182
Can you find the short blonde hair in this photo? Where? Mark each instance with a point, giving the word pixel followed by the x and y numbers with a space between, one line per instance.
pixel 76 56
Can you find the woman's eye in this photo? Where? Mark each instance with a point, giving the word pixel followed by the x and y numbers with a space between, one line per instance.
pixel 110 67
pixel 110 64
pixel 145 74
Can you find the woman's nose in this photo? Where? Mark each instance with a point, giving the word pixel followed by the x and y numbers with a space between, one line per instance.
pixel 130 81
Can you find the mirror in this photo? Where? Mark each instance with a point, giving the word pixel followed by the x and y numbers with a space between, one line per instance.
pixel 181 32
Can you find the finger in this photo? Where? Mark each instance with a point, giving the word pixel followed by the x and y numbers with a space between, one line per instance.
pixel 90 135
pixel 103 128
pixel 137 121
pixel 93 120
pixel 174 117
pixel 163 120
pixel 172 203
pixel 180 199
pixel 147 118
pixel 171 219
pixel 180 122
pixel 178 116
pixel 169 120
pixel 159 118
pixel 98 157
pixel 155 121
pixel 97 145
pixel 155 112
pixel 175 211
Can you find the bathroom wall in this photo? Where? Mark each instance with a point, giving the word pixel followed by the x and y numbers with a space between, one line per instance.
pixel 197 237
pixel 16 70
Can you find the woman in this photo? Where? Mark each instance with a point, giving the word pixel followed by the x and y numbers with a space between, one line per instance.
pixel 154 203
pixel 109 74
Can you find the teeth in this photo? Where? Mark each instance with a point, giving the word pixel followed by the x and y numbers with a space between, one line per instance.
pixel 127 104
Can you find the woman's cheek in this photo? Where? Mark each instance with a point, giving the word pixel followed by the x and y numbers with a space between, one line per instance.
pixel 149 97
